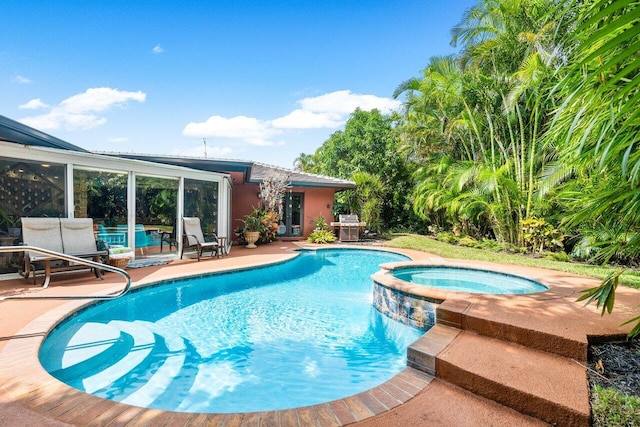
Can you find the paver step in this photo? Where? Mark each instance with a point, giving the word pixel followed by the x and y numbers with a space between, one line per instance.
pixel 422 353
pixel 462 314
pixel 544 385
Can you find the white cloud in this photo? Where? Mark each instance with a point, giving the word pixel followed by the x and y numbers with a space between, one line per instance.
pixel 332 110
pixel 249 129
pixel 328 111
pixel 34 104
pixel 76 111
pixel 157 49
pixel 100 99
pixel 21 79
pixel 345 102
pixel 304 119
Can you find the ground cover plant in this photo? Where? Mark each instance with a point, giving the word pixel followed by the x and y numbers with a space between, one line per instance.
pixel 615 379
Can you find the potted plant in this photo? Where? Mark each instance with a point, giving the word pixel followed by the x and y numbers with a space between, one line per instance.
pixel 252 228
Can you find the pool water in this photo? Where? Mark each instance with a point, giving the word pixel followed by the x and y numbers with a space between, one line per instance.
pixel 468 280
pixel 299 333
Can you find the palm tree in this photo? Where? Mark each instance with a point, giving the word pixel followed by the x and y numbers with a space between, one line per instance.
pixel 303 162
pixel 487 111
pixel 598 128
pixel 597 125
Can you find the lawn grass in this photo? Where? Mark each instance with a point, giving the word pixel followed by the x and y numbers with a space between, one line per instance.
pixel 447 250
pixel 612 408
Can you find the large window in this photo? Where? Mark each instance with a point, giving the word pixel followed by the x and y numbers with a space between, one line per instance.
pixel 103 197
pixel 201 200
pixel 27 189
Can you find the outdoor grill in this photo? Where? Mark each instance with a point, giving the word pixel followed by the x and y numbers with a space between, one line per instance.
pixel 348 228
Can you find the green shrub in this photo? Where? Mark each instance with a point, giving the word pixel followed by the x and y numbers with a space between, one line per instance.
pixel 469 242
pixel 321 223
pixel 557 256
pixel 539 235
pixel 514 248
pixel 447 237
pixel 491 245
pixel 321 236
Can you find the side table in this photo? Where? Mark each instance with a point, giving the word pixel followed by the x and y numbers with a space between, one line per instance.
pixel 222 245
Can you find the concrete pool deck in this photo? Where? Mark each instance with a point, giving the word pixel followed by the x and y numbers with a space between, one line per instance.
pixel 490 359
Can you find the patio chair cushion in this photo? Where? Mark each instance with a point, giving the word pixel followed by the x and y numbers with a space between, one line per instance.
pixel 42 233
pixel 77 235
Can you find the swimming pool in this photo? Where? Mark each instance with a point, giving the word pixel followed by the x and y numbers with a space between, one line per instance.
pixel 468 280
pixel 289 335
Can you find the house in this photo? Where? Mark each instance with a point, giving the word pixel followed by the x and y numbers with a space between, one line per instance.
pixel 308 196
pixel 136 200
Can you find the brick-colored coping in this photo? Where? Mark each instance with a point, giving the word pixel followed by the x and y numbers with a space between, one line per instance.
pixel 25 381
pixel 26 388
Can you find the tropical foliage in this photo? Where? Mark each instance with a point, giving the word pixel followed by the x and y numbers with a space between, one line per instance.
pixel 368 152
pixel 528 136
pixel 263 221
pixel 321 234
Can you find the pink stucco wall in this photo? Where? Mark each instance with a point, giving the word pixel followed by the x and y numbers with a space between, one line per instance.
pixel 317 201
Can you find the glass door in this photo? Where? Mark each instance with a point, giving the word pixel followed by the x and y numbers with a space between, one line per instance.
pixel 291 223
pixel 155 219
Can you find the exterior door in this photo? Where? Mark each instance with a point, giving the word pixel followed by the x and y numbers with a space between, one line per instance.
pixel 291 224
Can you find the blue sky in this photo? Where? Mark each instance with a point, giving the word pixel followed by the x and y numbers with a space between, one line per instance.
pixel 259 80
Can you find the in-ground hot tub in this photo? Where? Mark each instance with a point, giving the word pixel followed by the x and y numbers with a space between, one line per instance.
pixel 410 293
pixel 470 280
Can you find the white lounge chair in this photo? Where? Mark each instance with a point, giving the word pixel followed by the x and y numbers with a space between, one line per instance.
pixel 69 236
pixel 193 236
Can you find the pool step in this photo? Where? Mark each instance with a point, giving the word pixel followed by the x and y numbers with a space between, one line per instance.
pixel 143 342
pixel 156 385
pixel 536 383
pixel 537 332
pixel 166 373
pixel 87 347
pixel 172 341
pixel 99 355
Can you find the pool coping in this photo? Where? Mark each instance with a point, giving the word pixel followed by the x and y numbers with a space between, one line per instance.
pixel 24 379
pixel 27 384
pixel 31 385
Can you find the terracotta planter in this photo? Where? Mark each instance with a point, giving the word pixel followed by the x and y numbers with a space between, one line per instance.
pixel 251 237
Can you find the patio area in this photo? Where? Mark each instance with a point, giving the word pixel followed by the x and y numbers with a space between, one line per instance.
pixel 490 359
